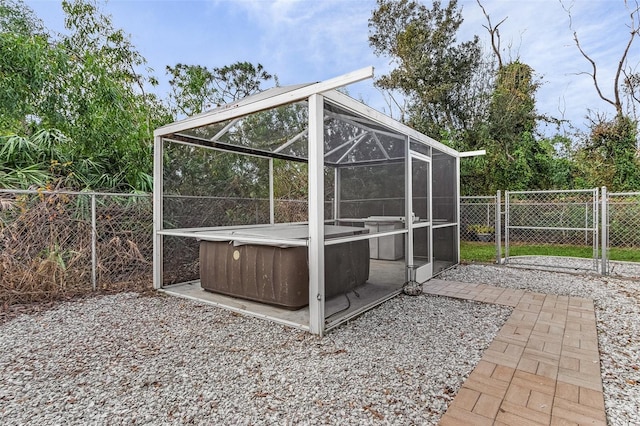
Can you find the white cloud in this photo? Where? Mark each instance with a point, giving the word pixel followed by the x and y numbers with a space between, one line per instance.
pixel 305 40
pixel 541 37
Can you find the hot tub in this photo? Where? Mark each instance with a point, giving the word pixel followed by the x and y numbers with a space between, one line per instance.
pixel 278 274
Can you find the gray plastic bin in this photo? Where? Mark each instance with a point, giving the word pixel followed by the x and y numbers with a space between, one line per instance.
pixel 385 248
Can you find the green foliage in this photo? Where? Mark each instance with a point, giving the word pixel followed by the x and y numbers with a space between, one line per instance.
pixel 516 159
pixel 195 88
pixel 512 109
pixel 106 110
pixel 433 71
pixel 27 63
pixel 458 97
pixel 32 161
pixel 15 18
pixel 75 109
pixel 84 87
pixel 609 156
pixel 192 89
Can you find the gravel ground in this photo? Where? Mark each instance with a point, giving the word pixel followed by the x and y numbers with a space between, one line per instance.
pixel 127 359
pixel 617 302
pixel 136 359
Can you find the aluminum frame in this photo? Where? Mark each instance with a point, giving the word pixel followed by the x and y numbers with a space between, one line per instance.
pixel 315 95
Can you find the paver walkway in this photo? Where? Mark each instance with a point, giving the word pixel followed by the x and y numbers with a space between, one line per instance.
pixel 543 367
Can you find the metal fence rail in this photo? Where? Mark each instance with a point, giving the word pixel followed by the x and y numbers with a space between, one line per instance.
pixel 568 217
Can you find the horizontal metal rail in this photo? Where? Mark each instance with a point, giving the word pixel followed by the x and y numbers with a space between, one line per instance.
pixel 64 192
pixel 548 228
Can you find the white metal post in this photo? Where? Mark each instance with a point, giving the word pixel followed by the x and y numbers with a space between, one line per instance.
pixel 430 257
pixel 336 194
pixel 595 224
pixel 408 206
pixel 272 204
pixel 498 228
pixel 457 207
pixel 316 215
pixel 157 212
pixel 506 226
pixel 605 232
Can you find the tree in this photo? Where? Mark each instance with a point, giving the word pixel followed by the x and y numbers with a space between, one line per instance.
pixel 200 171
pixel 433 72
pixel 609 155
pixel 624 76
pixel 104 106
pixel 27 62
pixel 15 18
pixel 195 88
pixel 84 85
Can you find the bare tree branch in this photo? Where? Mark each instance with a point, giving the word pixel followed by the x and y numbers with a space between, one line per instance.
pixel 594 73
pixel 392 103
pixel 494 32
pixel 632 83
pixel 634 31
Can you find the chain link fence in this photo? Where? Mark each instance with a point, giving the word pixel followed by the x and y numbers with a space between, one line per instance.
pixel 66 243
pixel 478 218
pixel 181 256
pixel 552 217
pixel 624 219
pixel 63 243
pixel 569 217
pixel 537 221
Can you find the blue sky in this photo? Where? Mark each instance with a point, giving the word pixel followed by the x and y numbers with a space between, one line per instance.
pixel 313 40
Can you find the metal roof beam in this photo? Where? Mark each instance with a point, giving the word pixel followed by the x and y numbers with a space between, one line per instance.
pixel 384 151
pixel 222 114
pixel 225 129
pixel 339 147
pixel 357 123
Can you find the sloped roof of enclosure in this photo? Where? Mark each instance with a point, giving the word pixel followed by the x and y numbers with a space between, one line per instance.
pixel 354 133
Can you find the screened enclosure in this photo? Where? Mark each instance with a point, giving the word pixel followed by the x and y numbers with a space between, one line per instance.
pixel 301 205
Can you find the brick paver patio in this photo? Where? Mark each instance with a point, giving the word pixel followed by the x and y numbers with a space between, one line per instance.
pixel 543 367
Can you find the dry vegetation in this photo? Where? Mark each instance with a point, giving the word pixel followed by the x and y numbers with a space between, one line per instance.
pixel 46 243
pixel 46 246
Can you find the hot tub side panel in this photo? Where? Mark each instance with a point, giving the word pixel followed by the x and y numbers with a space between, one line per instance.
pixel 279 276
pixel 254 272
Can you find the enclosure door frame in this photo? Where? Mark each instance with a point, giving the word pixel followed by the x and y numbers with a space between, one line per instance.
pixel 425 271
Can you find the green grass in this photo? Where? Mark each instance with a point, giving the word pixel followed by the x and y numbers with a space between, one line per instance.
pixel 477 252
pixel 471 251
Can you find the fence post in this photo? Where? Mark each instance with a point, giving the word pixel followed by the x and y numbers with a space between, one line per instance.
pixel 604 227
pixel 498 225
pixel 94 262
pixel 506 226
